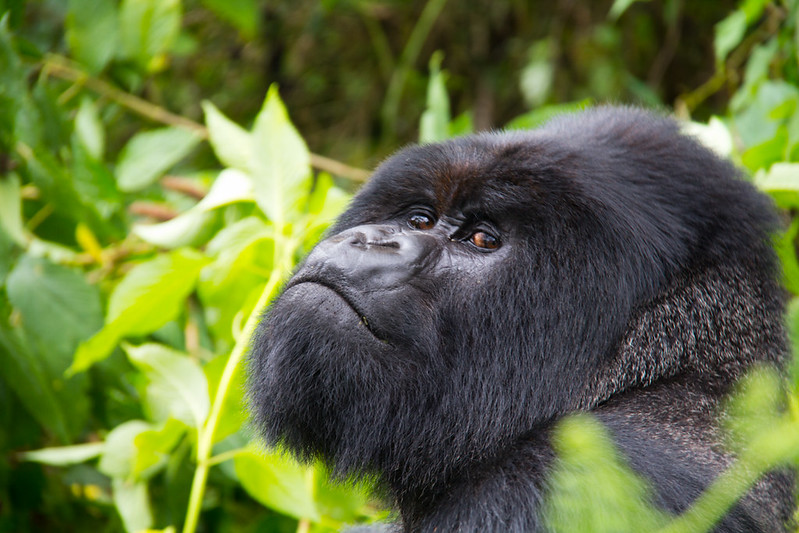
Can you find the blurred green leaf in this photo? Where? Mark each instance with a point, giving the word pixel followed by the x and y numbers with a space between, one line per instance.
pixel 92 32
pixel 232 144
pixel 151 153
pixel 132 500
pixel 148 297
pixel 191 227
pixel 278 482
pixel 537 76
pixel 176 385
pixel 154 446
pixel 620 6
pixel 148 29
pixel 540 116
pixel 714 135
pixel 65 455
pixel 46 294
pixel 434 124
pixel 119 452
pixel 729 33
pixel 587 459
pixel 89 128
pixel 280 163
pixel 243 14
pixel 11 209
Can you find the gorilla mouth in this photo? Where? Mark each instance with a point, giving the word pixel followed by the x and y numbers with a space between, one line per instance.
pixel 344 297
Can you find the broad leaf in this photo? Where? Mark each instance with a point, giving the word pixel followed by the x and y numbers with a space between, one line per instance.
pixel 151 153
pixel 278 482
pixel 92 32
pixel 176 385
pixel 65 455
pixel 148 28
pixel 133 503
pixel 149 296
pixel 280 163
pixel 231 142
pixel 434 124
pixel 119 452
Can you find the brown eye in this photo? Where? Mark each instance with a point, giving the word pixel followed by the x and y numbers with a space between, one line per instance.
pixel 484 240
pixel 421 221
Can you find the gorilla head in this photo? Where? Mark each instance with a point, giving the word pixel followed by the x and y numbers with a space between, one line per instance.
pixel 477 290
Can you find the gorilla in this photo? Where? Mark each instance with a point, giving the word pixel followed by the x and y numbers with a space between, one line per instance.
pixel 478 290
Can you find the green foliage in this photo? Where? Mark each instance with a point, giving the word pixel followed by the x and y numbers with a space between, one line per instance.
pixel 135 257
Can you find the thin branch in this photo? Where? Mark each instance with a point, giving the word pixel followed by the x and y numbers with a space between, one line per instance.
pixel 59 67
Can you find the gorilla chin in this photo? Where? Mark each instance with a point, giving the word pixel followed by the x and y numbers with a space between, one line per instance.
pixel 478 290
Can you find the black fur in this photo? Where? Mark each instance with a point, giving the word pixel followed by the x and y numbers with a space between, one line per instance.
pixel 635 279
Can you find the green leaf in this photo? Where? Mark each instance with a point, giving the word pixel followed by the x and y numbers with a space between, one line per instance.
pixel 30 380
pixel 729 33
pixel 176 385
pixel 148 29
pixel 154 446
pixel 133 504
pixel 230 186
pixel 619 7
pixel 243 14
pixel 92 32
pixel 95 182
pixel 714 135
pixel 119 452
pixel 89 128
pixel 434 124
pixel 278 482
pixel 226 284
pixel 56 305
pixel 65 455
pixel 149 296
pixel 538 75
pixel 11 209
pixel 231 143
pixel 586 460
pixel 539 116
pixel 151 153
pixel 280 163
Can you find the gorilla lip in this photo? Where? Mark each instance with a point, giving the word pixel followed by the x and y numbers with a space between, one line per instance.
pixel 343 296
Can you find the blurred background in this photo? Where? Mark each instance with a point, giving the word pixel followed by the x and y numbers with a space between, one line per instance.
pixel 165 163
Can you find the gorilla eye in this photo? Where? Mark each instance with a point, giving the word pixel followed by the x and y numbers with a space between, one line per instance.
pixel 421 221
pixel 484 240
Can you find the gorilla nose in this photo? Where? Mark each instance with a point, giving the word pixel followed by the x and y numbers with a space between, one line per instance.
pixel 373 256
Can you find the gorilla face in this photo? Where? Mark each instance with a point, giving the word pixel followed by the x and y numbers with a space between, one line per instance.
pixel 477 289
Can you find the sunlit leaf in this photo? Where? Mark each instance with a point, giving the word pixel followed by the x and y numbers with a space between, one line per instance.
pixel 148 297
pixel 92 32
pixel 154 446
pixel 278 482
pixel 176 385
pixel 89 128
pixel 132 501
pixel 151 153
pixel 729 33
pixel 65 455
pixel 280 163
pixel 434 125
pixel 148 29
pixel 119 452
pixel 231 142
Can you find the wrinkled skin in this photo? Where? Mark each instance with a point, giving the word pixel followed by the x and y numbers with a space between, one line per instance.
pixel 477 290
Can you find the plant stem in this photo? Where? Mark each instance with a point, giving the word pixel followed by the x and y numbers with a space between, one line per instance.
pixel 206 434
pixel 59 67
